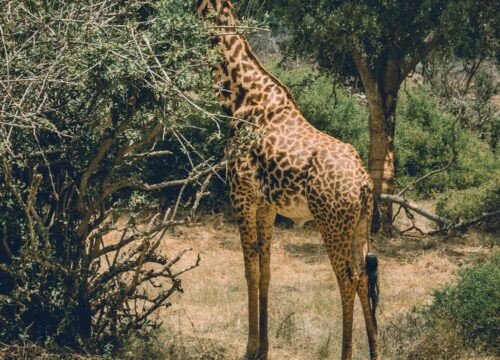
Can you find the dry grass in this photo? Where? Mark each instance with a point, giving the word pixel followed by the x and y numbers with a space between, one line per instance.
pixel 209 320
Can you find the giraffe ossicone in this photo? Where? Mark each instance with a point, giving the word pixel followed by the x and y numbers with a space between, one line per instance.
pixel 294 170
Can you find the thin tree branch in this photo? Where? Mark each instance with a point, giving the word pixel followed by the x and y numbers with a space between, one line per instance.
pixel 462 225
pixel 412 206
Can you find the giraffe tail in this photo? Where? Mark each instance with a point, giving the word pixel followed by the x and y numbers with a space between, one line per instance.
pixel 371 263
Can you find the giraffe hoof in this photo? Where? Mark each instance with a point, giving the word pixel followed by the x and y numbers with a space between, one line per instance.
pixel 252 352
pixel 262 355
pixel 252 356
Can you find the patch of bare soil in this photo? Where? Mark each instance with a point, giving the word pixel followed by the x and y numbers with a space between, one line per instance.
pixel 209 320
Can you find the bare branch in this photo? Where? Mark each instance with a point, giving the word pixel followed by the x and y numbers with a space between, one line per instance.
pixel 148 154
pixel 412 206
pixel 101 153
pixel 462 225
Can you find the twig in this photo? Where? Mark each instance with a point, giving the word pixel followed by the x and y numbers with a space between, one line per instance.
pixel 148 154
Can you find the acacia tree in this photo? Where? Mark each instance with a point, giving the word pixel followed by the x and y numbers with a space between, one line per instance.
pixel 380 43
pixel 90 91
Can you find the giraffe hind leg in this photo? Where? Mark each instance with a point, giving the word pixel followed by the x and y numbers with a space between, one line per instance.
pixel 338 239
pixel 368 280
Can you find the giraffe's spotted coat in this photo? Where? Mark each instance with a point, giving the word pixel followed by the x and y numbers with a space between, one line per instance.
pixel 292 169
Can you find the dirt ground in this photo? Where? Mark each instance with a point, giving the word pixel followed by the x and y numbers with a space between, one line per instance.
pixel 209 321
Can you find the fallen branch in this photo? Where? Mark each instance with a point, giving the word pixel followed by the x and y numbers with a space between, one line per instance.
pixel 445 224
pixel 462 225
pixel 407 204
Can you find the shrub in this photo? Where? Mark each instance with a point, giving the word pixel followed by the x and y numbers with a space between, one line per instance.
pixel 424 138
pixel 473 305
pixel 470 203
pixel 461 322
pixel 90 90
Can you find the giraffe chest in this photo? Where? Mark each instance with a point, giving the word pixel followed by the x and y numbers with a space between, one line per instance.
pixel 282 184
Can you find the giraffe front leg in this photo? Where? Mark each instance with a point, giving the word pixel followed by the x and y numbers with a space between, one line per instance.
pixel 265 225
pixel 248 234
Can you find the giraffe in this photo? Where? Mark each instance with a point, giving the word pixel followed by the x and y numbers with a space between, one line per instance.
pixel 285 166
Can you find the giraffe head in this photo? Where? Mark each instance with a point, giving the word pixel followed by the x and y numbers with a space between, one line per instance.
pixel 223 8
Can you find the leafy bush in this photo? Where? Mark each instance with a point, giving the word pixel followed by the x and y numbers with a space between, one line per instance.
pixel 91 92
pixel 462 321
pixel 470 203
pixel 424 139
pixel 473 305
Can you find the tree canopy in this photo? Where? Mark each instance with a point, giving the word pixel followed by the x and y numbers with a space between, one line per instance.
pixel 328 31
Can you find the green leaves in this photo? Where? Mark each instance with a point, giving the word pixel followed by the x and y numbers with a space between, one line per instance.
pixel 89 89
pixel 473 304
pixel 327 30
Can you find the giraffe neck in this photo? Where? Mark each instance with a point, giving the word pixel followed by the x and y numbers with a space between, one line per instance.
pixel 247 89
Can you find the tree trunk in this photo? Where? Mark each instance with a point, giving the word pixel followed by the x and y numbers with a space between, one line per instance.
pixel 382 121
pixel 381 162
pixel 381 89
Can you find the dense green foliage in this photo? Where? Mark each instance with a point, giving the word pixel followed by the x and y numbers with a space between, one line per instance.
pixel 328 31
pixel 473 305
pixel 426 135
pixel 472 202
pixel 89 91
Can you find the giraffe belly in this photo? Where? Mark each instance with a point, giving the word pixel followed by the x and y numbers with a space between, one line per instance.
pixel 296 209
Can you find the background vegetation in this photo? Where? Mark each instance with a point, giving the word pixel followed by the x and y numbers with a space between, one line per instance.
pixel 109 125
